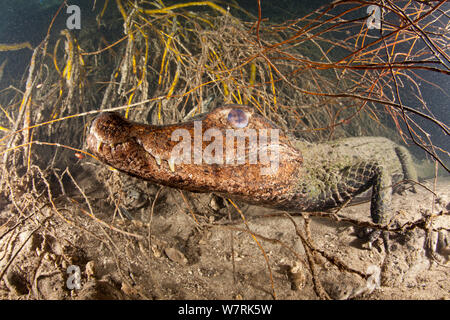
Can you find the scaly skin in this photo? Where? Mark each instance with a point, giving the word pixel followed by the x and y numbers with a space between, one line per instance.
pixel 309 177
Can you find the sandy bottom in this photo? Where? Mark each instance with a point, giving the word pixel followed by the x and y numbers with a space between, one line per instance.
pixel 175 248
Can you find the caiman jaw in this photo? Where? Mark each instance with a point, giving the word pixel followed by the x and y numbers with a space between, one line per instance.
pixel 146 151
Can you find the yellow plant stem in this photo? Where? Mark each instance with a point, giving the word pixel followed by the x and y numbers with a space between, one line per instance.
pixel 2 68
pixel 183 5
pixel 15 46
pixel 103 10
pixel 175 79
pixel 143 72
pixel 273 88
pixel 122 10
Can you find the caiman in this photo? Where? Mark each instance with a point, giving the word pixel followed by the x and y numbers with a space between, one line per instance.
pixel 234 152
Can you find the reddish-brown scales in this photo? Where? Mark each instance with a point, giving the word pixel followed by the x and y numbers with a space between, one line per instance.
pixel 135 148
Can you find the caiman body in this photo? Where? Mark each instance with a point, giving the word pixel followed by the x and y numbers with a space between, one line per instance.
pixel 307 177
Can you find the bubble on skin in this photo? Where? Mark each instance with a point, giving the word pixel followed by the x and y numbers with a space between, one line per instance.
pixel 237 118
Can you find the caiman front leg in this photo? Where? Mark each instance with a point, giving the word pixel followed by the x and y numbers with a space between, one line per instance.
pixel 373 175
pixel 339 186
pixel 380 205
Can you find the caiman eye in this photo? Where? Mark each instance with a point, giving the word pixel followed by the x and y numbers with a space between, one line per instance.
pixel 237 118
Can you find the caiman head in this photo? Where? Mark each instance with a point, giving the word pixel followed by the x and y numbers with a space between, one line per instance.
pixel 231 151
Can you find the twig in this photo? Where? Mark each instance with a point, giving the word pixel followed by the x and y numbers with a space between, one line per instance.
pixel 2 273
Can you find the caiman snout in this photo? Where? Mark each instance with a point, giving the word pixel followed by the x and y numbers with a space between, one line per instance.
pixel 231 150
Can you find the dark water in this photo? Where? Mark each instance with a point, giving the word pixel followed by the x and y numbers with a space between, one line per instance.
pixel 28 20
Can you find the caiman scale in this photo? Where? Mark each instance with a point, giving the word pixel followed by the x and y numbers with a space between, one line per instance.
pixel 308 177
